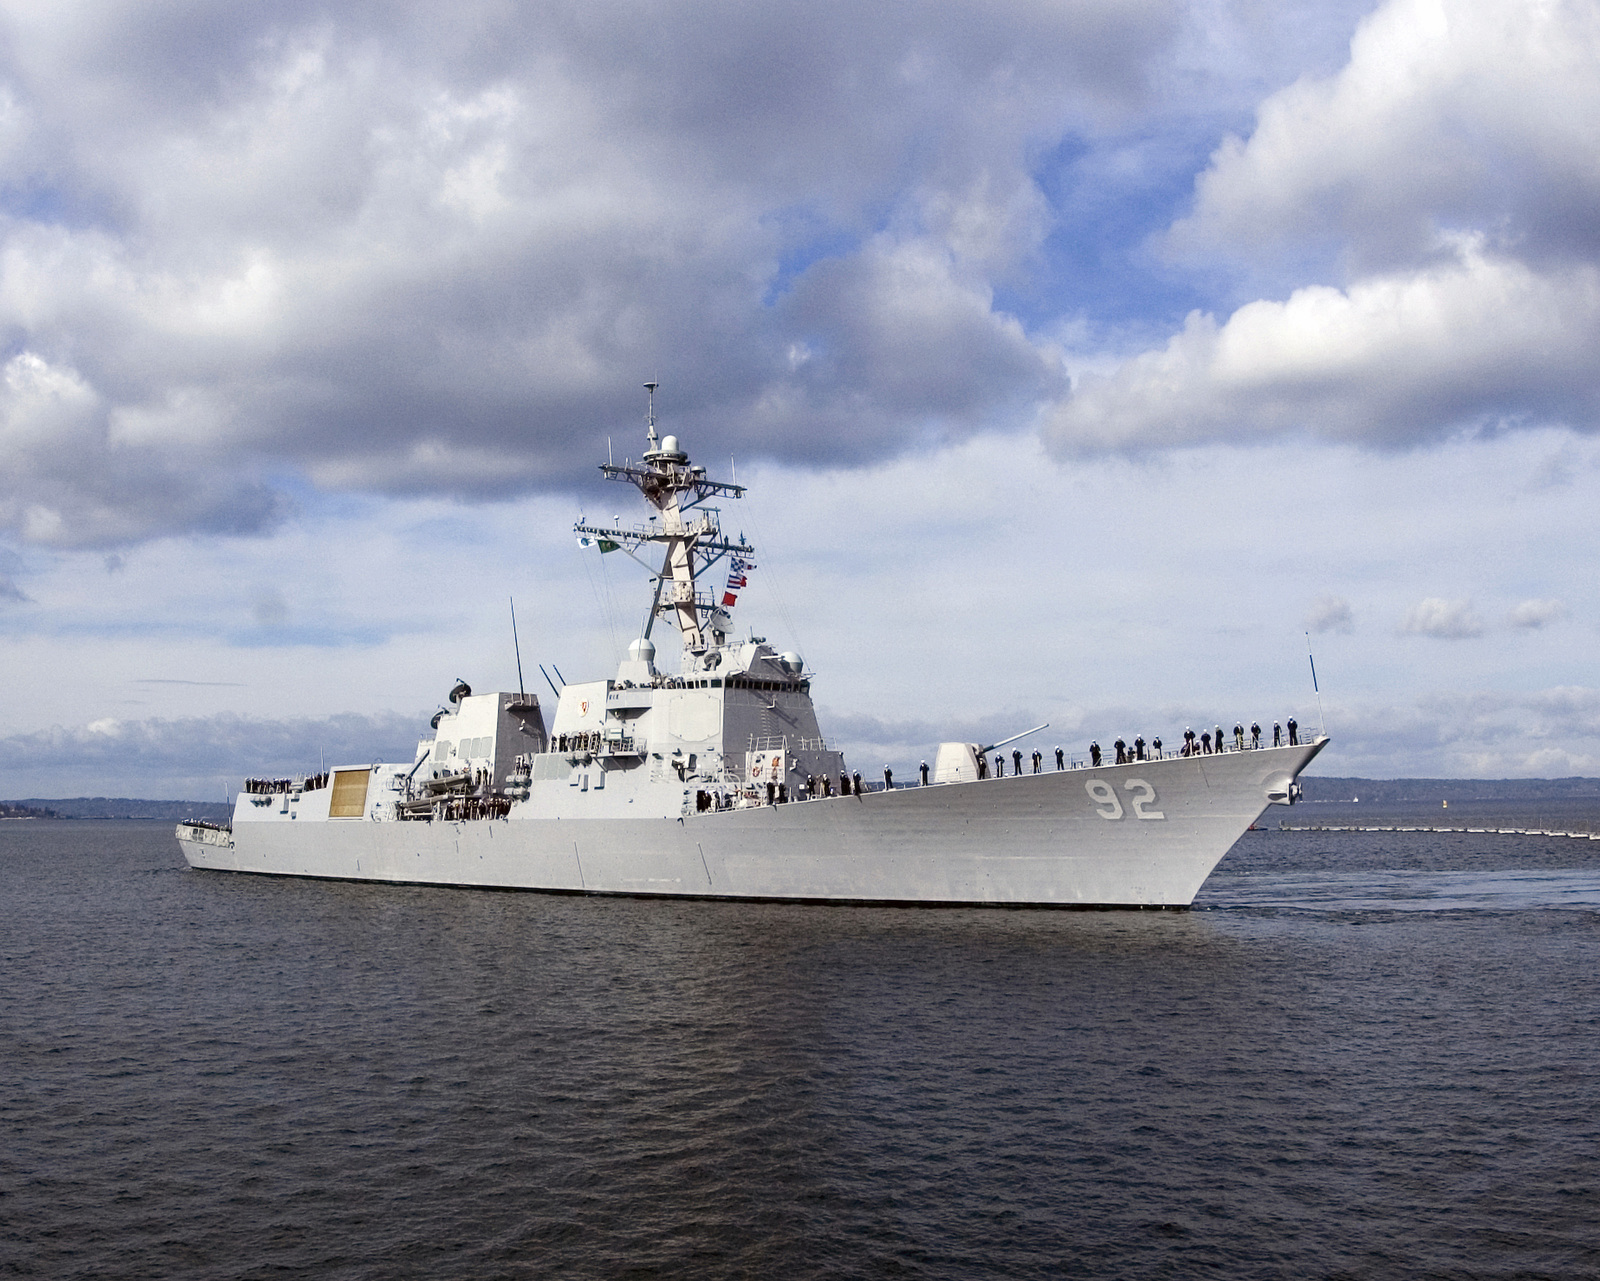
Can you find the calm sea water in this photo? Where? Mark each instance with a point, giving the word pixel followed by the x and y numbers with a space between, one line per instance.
pixel 1359 1056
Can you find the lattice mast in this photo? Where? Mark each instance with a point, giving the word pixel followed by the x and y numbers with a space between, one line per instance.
pixel 687 531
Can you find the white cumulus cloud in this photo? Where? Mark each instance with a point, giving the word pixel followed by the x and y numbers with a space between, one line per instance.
pixel 1535 614
pixel 1477 340
pixel 1442 189
pixel 1330 613
pixel 1447 619
pixel 1449 114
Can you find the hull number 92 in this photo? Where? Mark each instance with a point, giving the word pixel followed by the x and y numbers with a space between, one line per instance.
pixel 1140 800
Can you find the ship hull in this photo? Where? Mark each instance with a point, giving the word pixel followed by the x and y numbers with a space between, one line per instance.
pixel 1146 834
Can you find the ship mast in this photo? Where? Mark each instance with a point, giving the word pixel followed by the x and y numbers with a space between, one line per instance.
pixel 687 531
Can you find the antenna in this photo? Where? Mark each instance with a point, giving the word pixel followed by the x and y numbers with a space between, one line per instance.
pixel 650 413
pixel 548 681
pixel 516 645
pixel 1320 715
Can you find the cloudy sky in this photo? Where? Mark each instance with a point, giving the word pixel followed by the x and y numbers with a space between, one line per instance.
pixel 1083 358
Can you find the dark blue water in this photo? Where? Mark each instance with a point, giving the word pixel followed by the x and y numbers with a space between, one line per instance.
pixel 1360 1056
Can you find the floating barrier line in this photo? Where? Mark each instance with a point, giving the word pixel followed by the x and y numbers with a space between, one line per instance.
pixel 1474 831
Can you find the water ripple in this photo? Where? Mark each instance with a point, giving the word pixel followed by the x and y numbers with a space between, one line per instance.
pixel 1358 1058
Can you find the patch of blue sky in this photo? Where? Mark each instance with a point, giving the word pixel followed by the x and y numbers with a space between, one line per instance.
pixel 460 524
pixel 310 506
pixel 11 560
pixel 1112 199
pixel 50 205
pixel 192 627
pixel 810 238
pixel 294 484
pixel 310 637
pixel 430 520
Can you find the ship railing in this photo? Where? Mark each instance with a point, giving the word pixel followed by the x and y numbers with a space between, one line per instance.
pixel 631 533
pixel 784 743
pixel 273 786
pixel 669 603
pixel 576 744
pixel 1164 753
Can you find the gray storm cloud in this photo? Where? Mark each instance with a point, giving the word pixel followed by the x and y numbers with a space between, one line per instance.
pixel 393 249
pixel 387 250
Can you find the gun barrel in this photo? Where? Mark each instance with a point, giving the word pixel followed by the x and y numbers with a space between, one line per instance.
pixel 1015 737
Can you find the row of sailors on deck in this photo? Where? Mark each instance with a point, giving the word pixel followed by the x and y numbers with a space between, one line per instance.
pixel 272 786
pixel 1000 764
pixel 1193 745
pixel 817 786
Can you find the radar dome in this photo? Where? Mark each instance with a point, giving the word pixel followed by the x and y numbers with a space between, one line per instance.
pixel 642 649
pixel 669 445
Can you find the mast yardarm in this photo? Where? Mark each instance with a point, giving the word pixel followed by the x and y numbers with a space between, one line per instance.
pixel 686 529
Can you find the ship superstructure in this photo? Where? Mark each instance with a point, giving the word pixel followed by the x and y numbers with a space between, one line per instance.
pixel 715 780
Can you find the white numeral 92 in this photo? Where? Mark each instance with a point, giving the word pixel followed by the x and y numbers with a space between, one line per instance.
pixel 1110 808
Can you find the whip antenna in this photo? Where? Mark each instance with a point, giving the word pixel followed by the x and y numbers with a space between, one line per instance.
pixel 517 646
pixel 1321 716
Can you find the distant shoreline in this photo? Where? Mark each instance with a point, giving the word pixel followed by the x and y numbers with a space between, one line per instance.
pixel 112 807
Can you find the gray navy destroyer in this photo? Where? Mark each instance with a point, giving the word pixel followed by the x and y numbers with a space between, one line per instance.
pixel 715 780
